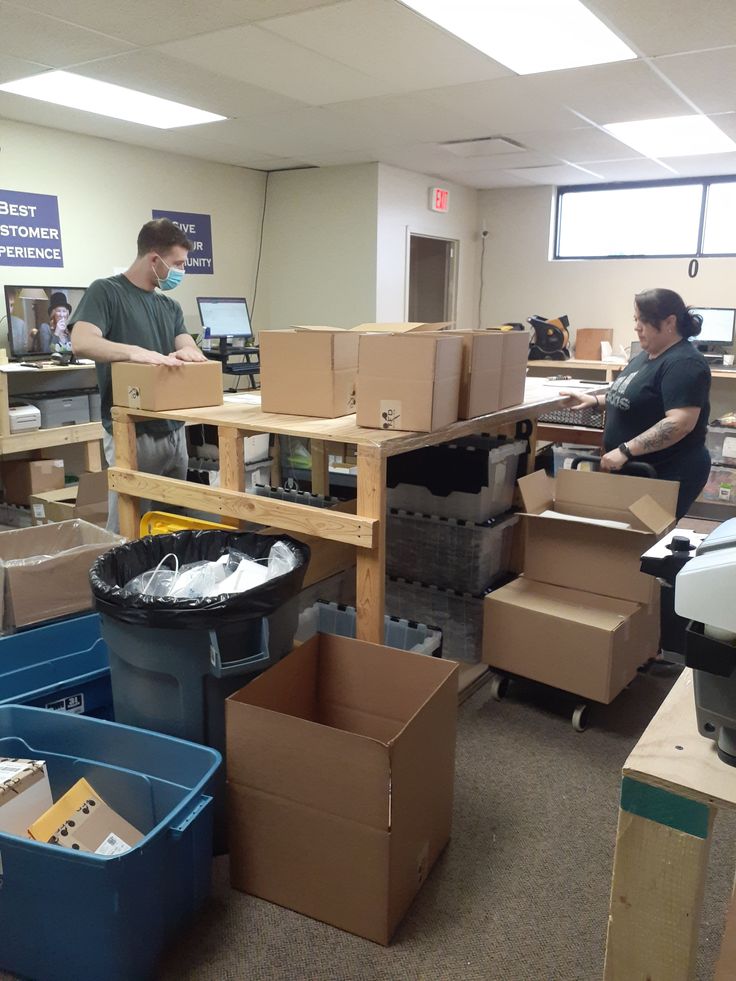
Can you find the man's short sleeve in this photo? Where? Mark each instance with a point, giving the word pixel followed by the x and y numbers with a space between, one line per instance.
pixel 179 327
pixel 95 307
pixel 685 383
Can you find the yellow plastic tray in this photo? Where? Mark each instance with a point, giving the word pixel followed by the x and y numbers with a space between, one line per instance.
pixel 162 523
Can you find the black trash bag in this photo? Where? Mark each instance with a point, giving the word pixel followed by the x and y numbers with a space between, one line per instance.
pixel 112 570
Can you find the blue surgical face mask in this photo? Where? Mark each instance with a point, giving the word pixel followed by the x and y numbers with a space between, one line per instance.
pixel 173 277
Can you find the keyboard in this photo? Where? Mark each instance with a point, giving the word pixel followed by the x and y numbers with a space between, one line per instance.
pixel 589 418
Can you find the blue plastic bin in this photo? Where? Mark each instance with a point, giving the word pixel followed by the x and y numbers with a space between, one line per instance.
pixel 63 666
pixel 70 915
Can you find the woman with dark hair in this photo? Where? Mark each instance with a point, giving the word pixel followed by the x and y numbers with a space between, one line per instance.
pixel 658 407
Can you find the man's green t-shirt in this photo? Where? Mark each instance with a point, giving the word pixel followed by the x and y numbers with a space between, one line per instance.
pixel 127 314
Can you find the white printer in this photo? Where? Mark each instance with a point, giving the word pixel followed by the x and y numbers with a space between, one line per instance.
pixel 24 418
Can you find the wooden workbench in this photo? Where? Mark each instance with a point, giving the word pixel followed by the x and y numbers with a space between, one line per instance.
pixel 366 529
pixel 673 784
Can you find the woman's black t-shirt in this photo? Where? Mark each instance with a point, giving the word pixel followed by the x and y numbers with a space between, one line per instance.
pixel 648 388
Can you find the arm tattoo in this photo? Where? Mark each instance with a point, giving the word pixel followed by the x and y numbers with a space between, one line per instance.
pixel 662 434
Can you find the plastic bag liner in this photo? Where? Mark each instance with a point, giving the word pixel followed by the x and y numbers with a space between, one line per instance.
pixel 115 568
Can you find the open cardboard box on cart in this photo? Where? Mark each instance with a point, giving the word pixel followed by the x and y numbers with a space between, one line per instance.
pixel 582 617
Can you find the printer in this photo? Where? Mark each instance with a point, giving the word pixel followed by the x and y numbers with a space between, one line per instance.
pixel 705 594
pixel 24 418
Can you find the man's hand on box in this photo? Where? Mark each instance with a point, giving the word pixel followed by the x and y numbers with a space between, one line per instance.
pixel 141 355
pixel 188 354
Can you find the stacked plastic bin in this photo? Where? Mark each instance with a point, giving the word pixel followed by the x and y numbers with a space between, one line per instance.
pixel 450 534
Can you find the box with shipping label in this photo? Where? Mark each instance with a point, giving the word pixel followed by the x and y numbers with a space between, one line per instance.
pixel 482 372
pixel 25 794
pixel 409 382
pixel 57 555
pixel 309 371
pixel 87 500
pixel 340 768
pixel 588 530
pixel 83 822
pixel 158 388
pixel 23 478
pixel 571 639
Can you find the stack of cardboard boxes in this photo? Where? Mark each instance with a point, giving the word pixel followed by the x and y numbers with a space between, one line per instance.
pixel 412 377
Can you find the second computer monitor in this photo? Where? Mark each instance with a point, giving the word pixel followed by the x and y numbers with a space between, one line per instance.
pixel 224 316
pixel 718 325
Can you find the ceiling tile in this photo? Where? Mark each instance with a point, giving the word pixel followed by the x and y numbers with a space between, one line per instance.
pixel 51 41
pixel 577 145
pixel 14 68
pixel 151 71
pixel 258 57
pixel 641 169
pixel 562 174
pixel 153 21
pixel 387 40
pixel 713 165
pixel 667 26
pixel 707 78
pixel 292 134
pixel 502 106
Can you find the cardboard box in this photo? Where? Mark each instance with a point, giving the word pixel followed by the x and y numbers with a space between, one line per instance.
pixel 340 767
pixel 309 371
pixel 482 371
pixel 22 478
pixel 83 822
pixel 46 570
pixel 87 500
pixel 515 360
pixel 24 794
pixel 410 382
pixel 578 641
pixel 588 342
pixel 158 388
pixel 566 550
pixel 403 328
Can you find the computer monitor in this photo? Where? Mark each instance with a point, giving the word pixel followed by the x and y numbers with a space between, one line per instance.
pixel 224 316
pixel 36 319
pixel 718 325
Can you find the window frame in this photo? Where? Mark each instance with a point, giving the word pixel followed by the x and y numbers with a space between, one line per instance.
pixel 704 183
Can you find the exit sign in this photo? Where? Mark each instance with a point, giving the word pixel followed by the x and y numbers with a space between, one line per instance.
pixel 439 199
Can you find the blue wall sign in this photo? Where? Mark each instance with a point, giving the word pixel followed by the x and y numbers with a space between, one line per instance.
pixel 198 229
pixel 30 231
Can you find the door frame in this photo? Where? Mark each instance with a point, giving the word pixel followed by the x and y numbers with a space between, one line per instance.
pixel 452 278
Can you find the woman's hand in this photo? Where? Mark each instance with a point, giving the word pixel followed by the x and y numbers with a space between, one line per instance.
pixel 613 460
pixel 580 400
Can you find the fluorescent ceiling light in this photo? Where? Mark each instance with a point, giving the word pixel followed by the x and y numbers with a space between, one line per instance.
pixel 674 136
pixel 105 99
pixel 528 36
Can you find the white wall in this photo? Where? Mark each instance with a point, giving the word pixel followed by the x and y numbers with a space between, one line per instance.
pixel 106 192
pixel 403 208
pixel 319 248
pixel 521 280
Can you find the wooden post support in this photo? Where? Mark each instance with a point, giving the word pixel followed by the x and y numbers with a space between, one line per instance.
pixel 276 480
pixel 126 457
pixel 93 456
pixel 232 458
pixel 371 563
pixel 661 858
pixel 320 467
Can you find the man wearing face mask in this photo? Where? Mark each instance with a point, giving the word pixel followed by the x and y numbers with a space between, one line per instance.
pixel 126 318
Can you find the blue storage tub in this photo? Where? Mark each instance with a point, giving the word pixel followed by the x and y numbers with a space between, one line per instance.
pixel 62 666
pixel 69 915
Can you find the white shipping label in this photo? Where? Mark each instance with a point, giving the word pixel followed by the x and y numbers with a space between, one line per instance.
pixel 724 492
pixel 112 845
pixel 11 768
pixel 39 511
pixel 390 410
pixel 729 447
pixel 134 397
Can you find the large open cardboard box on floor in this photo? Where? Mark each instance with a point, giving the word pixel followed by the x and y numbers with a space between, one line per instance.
pixel 340 768
pixel 582 617
pixel 158 387
pixel 409 382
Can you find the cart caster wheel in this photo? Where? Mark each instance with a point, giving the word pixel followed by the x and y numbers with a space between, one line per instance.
pixel 580 717
pixel 499 687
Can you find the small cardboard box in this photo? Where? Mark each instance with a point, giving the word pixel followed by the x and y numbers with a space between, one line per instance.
pixel 482 372
pixel 515 361
pixel 83 822
pixel 578 641
pixel 87 500
pixel 564 546
pixel 309 371
pixel 340 768
pixel 409 383
pixel 403 328
pixel 158 388
pixel 24 794
pixel 47 570
pixel 23 478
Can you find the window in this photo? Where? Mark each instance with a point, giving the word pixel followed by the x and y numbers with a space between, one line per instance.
pixel 670 218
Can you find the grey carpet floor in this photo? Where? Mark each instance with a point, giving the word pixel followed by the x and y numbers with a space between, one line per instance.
pixel 521 893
